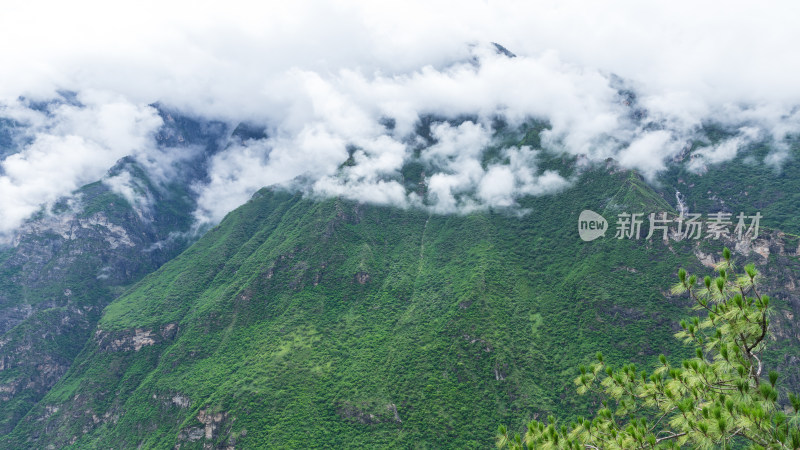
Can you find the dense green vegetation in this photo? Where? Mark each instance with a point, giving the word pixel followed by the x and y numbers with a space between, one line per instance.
pixel 310 323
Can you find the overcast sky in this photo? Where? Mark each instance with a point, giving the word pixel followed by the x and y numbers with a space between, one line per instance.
pixel 323 74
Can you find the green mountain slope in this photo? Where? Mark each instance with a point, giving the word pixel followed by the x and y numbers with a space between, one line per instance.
pixel 335 324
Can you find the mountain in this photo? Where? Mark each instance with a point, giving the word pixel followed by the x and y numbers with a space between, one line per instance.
pixel 301 321
pixel 328 323
pixel 72 259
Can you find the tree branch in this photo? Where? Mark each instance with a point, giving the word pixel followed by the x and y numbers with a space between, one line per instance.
pixel 672 436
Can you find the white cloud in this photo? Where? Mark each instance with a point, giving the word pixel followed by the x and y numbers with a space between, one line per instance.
pixel 723 151
pixel 239 171
pixel 648 152
pixel 322 75
pixel 497 186
pixel 69 147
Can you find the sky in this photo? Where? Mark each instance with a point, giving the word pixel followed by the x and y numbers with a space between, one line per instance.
pixel 324 76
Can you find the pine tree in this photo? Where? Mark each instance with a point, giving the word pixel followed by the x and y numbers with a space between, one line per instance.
pixel 720 398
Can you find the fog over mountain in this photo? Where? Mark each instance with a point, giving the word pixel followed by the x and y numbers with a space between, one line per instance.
pixel 341 88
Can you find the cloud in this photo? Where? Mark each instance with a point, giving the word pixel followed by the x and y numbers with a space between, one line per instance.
pixel 327 77
pixel 648 152
pixel 685 53
pixel 68 146
pixel 723 151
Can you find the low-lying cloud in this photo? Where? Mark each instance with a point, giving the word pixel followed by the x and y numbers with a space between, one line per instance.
pixel 65 146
